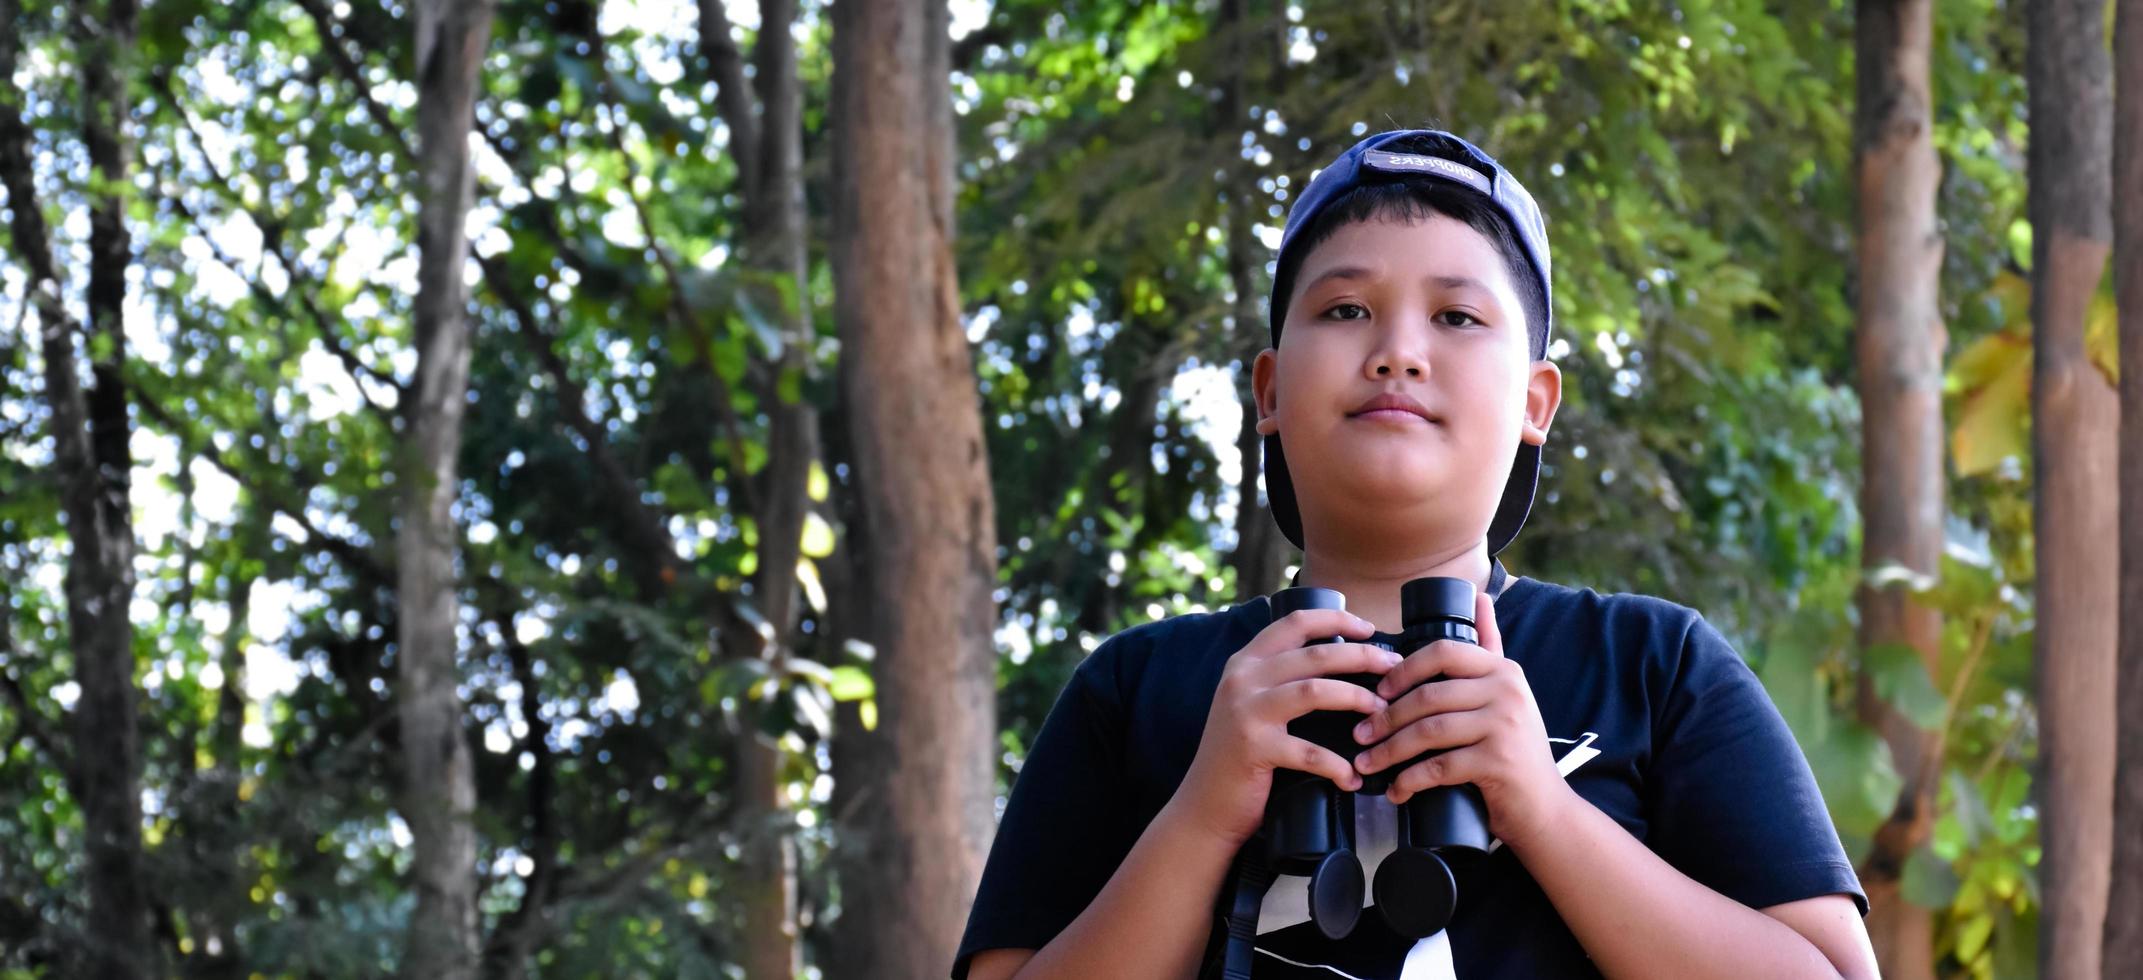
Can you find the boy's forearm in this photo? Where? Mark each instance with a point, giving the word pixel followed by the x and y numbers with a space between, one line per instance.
pixel 1153 917
pixel 1637 916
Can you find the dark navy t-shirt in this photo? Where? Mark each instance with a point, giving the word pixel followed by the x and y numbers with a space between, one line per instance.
pixel 1651 714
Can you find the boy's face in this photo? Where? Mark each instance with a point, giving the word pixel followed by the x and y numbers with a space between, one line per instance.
pixel 1421 310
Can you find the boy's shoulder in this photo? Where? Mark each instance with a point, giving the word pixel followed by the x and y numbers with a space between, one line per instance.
pixel 1117 666
pixel 1612 614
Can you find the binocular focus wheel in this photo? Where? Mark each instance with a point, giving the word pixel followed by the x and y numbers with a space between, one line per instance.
pixel 1416 892
pixel 1336 894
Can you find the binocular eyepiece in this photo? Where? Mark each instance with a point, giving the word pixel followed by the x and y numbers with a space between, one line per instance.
pixel 1309 820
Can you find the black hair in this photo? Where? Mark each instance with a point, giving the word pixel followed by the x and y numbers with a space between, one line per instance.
pixel 1414 201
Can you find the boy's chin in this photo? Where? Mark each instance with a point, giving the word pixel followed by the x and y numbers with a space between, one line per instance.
pixel 1408 494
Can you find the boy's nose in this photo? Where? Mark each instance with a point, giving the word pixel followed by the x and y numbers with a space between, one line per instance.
pixel 1392 362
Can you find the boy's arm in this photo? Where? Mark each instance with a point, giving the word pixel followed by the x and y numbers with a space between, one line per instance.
pixel 1151 920
pixel 1637 916
pixel 1153 916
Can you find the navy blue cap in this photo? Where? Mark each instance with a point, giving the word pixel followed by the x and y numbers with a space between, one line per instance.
pixel 1455 162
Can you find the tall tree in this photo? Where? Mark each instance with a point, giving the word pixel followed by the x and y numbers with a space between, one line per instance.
pixel 2124 907
pixel 1261 550
pixel 90 436
pixel 909 393
pixel 2074 414
pixel 1899 357
pixel 439 792
pixel 766 145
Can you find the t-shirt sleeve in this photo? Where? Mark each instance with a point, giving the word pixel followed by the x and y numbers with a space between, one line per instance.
pixel 1066 828
pixel 1733 803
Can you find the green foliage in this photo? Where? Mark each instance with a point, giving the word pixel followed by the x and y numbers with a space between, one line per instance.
pixel 1694 161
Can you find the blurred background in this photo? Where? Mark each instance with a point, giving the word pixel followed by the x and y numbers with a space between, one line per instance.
pixel 565 488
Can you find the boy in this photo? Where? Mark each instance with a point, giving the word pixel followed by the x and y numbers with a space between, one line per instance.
pixel 1655 817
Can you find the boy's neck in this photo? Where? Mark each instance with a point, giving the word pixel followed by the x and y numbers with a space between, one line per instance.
pixel 1371 585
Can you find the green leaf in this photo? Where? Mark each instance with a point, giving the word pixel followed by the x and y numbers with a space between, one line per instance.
pixel 1928 880
pixel 1901 681
pixel 1972 936
pixel 851 683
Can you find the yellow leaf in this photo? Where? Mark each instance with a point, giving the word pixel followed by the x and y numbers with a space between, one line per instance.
pixel 818 536
pixel 1995 420
pixel 1977 365
pixel 815 484
pixel 2101 335
pixel 807 576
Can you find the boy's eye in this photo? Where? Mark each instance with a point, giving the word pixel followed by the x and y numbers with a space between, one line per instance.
pixel 1459 318
pixel 1347 311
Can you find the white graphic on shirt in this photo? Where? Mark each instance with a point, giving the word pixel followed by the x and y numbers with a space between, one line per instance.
pixel 1581 753
pixel 1376 835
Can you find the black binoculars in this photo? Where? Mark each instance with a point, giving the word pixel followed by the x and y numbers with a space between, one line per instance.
pixel 1309 820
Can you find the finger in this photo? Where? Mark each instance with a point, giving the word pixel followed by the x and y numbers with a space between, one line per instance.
pixel 1298 628
pixel 1324 660
pixel 1437 697
pixel 1303 755
pixel 1450 730
pixel 1287 702
pixel 1449 769
pixel 1448 658
pixel 1484 622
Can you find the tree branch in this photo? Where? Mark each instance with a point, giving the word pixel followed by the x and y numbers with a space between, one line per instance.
pixel 732 98
pixel 272 231
pixel 516 935
pixel 331 33
pixel 271 493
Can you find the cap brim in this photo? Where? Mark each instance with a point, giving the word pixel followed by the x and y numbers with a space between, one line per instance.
pixel 1502 530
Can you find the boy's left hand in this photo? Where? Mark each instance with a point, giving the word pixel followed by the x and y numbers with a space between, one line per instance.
pixel 1481 710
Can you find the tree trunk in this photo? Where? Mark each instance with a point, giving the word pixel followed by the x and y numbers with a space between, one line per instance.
pixel 1899 356
pixel 2124 911
pixel 909 390
pixel 90 435
pixel 767 146
pixel 439 797
pixel 2074 417
pixel 1260 549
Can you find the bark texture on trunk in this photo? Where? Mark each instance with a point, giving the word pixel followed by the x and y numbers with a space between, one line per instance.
pixel 1899 347
pixel 766 140
pixel 909 390
pixel 2075 418
pixel 90 434
pixel 2124 908
pixel 439 791
pixel 1260 550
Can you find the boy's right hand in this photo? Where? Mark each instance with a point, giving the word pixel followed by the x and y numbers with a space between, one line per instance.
pixel 1273 680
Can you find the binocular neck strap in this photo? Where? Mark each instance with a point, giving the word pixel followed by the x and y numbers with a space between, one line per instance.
pixel 1251 878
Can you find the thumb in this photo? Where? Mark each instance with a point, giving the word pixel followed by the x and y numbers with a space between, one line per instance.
pixel 1484 622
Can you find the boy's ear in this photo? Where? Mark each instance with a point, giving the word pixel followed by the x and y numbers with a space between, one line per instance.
pixel 1543 395
pixel 1264 385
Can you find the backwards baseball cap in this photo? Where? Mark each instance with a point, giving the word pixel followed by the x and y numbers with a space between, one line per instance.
pixel 1402 157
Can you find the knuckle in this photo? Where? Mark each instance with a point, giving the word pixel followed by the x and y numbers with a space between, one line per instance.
pixel 1309 756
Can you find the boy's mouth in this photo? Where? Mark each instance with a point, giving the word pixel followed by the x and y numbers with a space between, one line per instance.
pixel 1393 406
